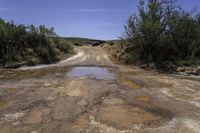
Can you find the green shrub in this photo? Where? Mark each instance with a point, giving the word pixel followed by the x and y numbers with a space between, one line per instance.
pixel 162 32
pixel 64 46
pixel 18 43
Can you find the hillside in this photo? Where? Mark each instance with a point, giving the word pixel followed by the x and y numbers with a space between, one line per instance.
pixel 82 41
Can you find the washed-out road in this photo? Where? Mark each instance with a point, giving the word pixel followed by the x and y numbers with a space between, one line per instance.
pixel 88 93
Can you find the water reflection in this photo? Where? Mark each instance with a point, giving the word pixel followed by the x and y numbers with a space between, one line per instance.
pixel 91 72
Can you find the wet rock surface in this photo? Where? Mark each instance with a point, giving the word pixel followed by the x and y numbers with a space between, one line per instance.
pixel 102 98
pixel 189 70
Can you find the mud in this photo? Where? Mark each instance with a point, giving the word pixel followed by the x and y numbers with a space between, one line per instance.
pixel 12 90
pixel 130 84
pixel 124 116
pixel 3 104
pixel 89 94
pixel 145 99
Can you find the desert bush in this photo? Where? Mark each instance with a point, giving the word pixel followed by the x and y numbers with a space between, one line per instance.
pixel 64 45
pixel 162 32
pixel 17 40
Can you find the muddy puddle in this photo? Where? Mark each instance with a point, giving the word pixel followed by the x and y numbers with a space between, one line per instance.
pixel 91 72
pixel 125 115
pixel 116 113
pixel 64 72
pixel 23 74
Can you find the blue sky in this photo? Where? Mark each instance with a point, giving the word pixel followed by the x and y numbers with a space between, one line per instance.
pixel 100 19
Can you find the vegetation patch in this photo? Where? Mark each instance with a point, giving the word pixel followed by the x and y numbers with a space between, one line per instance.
pixel 30 45
pixel 161 36
pixel 77 41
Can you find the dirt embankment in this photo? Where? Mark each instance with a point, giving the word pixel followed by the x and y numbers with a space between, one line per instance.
pixel 185 68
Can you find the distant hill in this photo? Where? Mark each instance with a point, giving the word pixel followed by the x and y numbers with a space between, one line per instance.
pixel 83 41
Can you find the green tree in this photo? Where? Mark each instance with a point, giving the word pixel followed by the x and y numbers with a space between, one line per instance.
pixel 162 31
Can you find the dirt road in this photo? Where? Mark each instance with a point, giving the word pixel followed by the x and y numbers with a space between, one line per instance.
pixel 89 94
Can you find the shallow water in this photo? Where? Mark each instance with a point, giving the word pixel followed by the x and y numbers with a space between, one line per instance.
pixel 91 72
pixel 64 72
